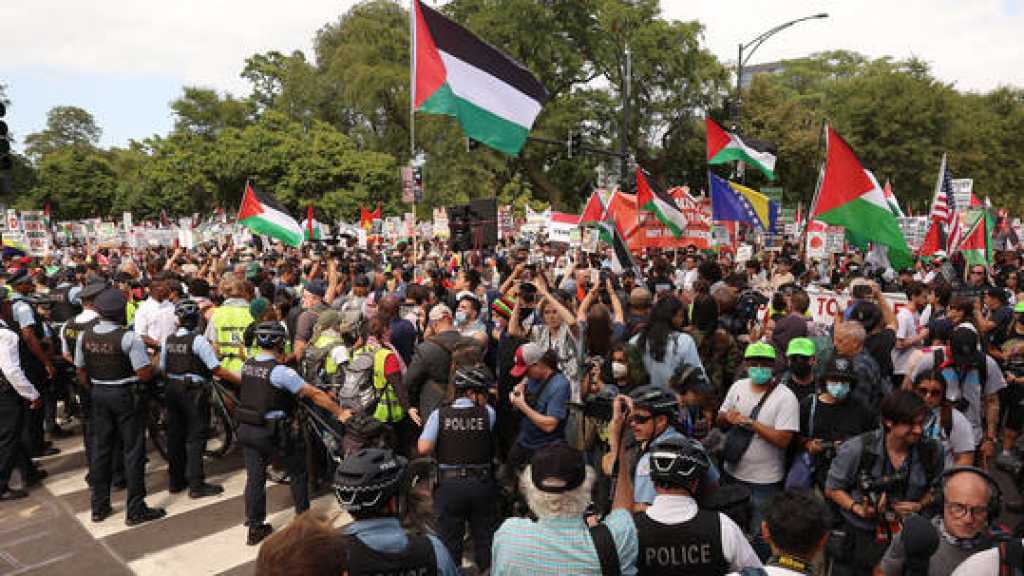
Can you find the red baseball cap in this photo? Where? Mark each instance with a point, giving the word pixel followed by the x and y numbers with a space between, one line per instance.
pixel 527 355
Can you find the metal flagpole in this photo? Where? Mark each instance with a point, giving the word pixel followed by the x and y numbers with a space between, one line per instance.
pixel 412 118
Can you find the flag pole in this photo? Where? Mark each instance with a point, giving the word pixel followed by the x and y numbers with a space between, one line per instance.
pixel 822 143
pixel 412 80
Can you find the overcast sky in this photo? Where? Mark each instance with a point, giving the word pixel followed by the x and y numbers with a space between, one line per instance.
pixel 125 60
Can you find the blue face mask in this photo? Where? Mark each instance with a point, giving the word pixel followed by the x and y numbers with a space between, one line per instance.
pixel 460 317
pixel 759 374
pixel 838 390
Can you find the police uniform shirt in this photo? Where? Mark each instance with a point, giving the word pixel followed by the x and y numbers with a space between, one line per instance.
pixel 676 509
pixel 131 344
pixel 82 317
pixel 10 365
pixel 284 378
pixel 201 348
pixel 73 293
pixel 387 535
pixel 432 426
pixel 22 312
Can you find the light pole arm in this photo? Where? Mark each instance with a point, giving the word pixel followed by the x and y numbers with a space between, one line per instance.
pixel 750 47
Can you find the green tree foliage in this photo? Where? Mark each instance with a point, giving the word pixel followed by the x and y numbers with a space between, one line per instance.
pixel 77 182
pixel 66 127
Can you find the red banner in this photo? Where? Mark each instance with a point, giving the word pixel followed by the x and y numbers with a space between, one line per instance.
pixel 651 233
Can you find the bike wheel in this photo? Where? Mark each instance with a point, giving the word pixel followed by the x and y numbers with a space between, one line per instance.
pixel 221 435
pixel 156 425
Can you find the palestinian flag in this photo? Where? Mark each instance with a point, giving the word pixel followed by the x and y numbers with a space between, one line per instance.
pixel 660 203
pixel 494 98
pixel 263 215
pixel 726 147
pixel 621 258
pixel 593 213
pixel 890 198
pixel 850 197
pixel 976 245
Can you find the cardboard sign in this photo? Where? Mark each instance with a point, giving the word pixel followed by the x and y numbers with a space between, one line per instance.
pixel 37 233
pixel 825 304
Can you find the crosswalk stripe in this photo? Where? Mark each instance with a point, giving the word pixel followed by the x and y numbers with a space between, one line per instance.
pixel 219 551
pixel 234 485
pixel 74 480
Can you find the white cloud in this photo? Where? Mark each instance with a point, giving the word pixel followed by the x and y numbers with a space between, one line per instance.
pixel 977 44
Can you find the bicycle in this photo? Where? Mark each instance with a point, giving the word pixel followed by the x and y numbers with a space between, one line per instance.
pixel 222 426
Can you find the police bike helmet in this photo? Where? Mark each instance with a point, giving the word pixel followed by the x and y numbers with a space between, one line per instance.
pixel 678 461
pixel 366 480
pixel 472 378
pixel 655 399
pixel 187 312
pixel 270 334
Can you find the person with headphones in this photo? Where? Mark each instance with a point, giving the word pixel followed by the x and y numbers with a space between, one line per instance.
pixel 367 486
pixel 674 535
pixel 188 361
pixel 266 428
pixel 461 436
pixel 970 501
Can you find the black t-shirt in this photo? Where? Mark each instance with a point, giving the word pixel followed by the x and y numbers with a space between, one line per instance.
pixel 1003 317
pixel 839 421
pixel 880 346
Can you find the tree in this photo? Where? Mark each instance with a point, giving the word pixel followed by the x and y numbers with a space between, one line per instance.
pixel 66 126
pixel 202 112
pixel 77 182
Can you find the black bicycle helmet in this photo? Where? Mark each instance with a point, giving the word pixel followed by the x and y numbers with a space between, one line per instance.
pixel 472 378
pixel 678 461
pixel 366 480
pixel 270 334
pixel 187 312
pixel 655 399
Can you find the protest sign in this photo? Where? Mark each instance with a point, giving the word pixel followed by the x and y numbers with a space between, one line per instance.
pixel 37 234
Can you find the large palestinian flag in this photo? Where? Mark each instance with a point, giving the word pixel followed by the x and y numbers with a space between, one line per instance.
pixel 494 98
pixel 653 199
pixel 263 215
pixel 728 147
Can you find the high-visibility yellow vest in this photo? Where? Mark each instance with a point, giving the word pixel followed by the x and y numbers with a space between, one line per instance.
pixel 230 323
pixel 389 409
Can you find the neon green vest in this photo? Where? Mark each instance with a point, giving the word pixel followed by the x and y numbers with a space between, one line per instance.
pixel 129 310
pixel 324 341
pixel 231 322
pixel 389 409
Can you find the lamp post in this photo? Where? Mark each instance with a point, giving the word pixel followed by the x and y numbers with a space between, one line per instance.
pixel 749 48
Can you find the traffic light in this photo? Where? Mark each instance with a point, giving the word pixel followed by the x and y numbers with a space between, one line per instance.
pixel 6 162
pixel 459 228
pixel 417 183
pixel 574 143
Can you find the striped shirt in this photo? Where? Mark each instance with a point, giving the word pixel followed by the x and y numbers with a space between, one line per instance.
pixel 559 546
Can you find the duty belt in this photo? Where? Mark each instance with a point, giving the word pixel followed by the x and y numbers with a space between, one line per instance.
pixel 464 472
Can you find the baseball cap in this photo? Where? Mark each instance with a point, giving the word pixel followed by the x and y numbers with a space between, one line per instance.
pixel 19 276
pixel 1019 307
pixel 760 350
pixel 92 290
pixel 964 345
pixel 842 368
pixel 317 288
pixel 800 347
pixel 557 468
pixel 527 355
pixel 997 293
pixel 439 311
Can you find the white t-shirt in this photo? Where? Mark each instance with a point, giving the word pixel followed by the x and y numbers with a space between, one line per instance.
pixel 763 462
pixel 982 563
pixel 959 440
pixel 906 328
pixel 776 571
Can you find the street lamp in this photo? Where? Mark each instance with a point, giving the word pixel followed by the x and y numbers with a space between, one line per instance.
pixel 750 48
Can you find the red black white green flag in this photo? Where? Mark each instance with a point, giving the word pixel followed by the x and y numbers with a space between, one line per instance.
pixel 494 98
pixel 262 214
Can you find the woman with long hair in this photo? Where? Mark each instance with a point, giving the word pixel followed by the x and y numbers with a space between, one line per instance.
pixel 662 344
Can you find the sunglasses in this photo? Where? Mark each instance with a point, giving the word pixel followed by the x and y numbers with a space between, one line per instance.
pixel 638 419
pixel 926 392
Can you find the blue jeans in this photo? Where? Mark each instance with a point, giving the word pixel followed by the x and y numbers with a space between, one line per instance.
pixel 760 494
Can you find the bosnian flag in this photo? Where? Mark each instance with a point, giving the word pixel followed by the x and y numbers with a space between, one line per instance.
pixel 728 147
pixel 263 215
pixel 494 98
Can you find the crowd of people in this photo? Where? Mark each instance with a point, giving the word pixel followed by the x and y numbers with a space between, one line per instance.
pixel 526 409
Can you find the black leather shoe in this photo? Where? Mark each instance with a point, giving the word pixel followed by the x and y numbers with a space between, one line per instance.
pixel 258 533
pixel 175 488
pixel 36 478
pixel 49 451
pixel 147 515
pixel 101 514
pixel 204 490
pixel 12 494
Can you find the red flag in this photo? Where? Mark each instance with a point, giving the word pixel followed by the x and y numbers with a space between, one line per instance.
pixel 844 180
pixel 309 221
pixel 594 211
pixel 375 215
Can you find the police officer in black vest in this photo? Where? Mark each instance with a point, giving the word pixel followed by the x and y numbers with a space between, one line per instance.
pixel 36 362
pixel 675 537
pixel 188 361
pixel 266 426
pixel 113 364
pixel 367 484
pixel 461 437
pixel 69 334
pixel 17 397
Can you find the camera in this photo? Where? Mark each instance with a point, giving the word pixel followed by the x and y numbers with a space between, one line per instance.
pixel 747 305
pixel 861 291
pixel 882 484
pixel 527 292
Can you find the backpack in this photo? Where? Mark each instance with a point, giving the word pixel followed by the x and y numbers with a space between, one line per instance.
pixel 314 359
pixel 357 392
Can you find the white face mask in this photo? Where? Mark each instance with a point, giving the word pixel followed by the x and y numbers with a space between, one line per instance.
pixel 618 370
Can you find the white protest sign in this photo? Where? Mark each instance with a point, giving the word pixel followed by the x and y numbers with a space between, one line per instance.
pixel 12 219
pixel 37 236
pixel 126 221
pixel 744 252
pixel 825 304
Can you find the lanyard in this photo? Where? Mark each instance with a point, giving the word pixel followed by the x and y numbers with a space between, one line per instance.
pixel 791 563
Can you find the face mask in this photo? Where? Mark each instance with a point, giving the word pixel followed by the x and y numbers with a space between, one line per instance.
pixel 460 317
pixel 801 367
pixel 838 390
pixel 759 374
pixel 618 370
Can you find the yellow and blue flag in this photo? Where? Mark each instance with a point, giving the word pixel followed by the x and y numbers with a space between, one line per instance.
pixel 735 203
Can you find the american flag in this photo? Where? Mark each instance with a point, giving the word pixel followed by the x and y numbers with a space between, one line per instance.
pixel 944 205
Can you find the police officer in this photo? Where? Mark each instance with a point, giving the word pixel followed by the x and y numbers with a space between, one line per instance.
pixel 16 393
pixel 461 437
pixel 188 361
pixel 37 364
pixel 266 428
pixel 113 364
pixel 367 484
pixel 675 537
pixel 64 304
pixel 69 334
pixel 65 298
